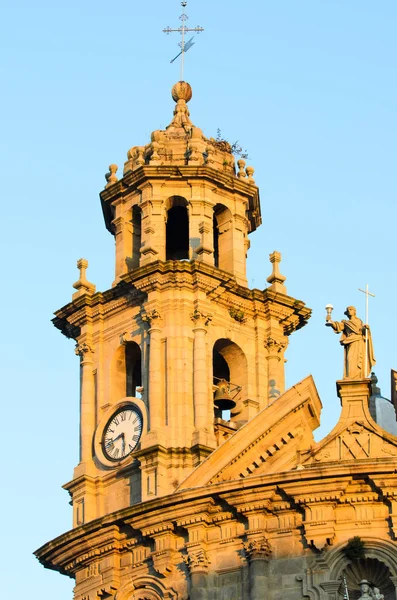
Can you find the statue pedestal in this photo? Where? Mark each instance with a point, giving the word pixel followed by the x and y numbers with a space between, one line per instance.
pixel 354 397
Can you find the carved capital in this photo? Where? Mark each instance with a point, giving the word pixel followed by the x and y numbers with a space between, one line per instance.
pixel 83 350
pixel 200 318
pixel 237 313
pixel 275 346
pixel 258 548
pixel 204 227
pixel 152 317
pixel 197 560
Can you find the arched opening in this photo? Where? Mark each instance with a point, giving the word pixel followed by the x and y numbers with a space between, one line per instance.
pixel 229 364
pixel 223 238
pixel 132 368
pixel 216 241
pixel 372 570
pixel 177 230
pixel 136 236
pixel 126 374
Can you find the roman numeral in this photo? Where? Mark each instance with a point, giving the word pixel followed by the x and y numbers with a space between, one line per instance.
pixel 135 438
pixel 123 416
pixel 116 453
pixel 115 421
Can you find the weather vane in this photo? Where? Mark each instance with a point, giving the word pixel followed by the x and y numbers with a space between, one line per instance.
pixel 184 46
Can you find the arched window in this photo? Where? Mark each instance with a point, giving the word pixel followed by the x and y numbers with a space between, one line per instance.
pixel 177 229
pixel 126 373
pixel 136 236
pixel 216 241
pixel 229 364
pixel 132 368
pixel 223 238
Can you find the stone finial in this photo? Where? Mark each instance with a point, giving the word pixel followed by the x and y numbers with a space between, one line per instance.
pixel 111 177
pixel 181 93
pixel 210 155
pixel 250 171
pixel 182 90
pixel 241 165
pixel 83 286
pixel 276 280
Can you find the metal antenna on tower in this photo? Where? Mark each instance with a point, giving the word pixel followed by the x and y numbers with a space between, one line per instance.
pixel 184 46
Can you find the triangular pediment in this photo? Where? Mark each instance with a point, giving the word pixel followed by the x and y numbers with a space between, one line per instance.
pixel 356 436
pixel 271 442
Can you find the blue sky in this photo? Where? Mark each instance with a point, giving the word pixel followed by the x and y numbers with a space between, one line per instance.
pixel 307 87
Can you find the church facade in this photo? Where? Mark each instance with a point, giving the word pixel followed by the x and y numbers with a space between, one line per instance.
pixel 199 477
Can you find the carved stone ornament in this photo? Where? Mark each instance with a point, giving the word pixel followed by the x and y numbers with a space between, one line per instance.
pixel 82 285
pixel 276 280
pixel 275 346
pixel 82 349
pixel 125 337
pixel 199 316
pixel 197 560
pixel 152 315
pixel 164 561
pixel 237 314
pixel 111 177
pixel 258 548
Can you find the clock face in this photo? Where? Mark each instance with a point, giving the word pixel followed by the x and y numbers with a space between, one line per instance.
pixel 122 433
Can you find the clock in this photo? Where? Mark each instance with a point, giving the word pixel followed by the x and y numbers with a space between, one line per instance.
pixel 122 433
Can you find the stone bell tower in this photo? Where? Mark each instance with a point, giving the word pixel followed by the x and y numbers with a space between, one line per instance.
pixel 179 327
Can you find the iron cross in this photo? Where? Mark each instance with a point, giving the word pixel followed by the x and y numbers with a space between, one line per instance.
pixel 184 46
pixel 367 294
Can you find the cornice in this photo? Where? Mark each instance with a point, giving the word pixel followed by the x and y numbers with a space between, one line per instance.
pixel 69 551
pixel 134 179
pixel 291 313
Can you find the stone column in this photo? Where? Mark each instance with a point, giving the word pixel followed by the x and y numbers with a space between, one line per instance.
pixel 87 400
pixel 258 552
pixel 275 347
pixel 155 393
pixel 198 562
pixel 200 386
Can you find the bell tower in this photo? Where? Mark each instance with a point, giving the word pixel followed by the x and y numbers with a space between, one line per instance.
pixel 179 329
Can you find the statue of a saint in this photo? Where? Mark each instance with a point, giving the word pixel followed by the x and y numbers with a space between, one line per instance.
pixel 365 589
pixel 376 594
pixel 353 339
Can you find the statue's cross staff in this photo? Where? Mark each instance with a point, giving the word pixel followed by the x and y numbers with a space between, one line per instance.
pixel 184 46
pixel 346 591
pixel 367 294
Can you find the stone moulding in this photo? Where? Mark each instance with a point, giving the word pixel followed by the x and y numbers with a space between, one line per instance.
pixel 74 550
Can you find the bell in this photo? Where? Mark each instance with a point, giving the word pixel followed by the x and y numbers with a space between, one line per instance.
pixel 222 398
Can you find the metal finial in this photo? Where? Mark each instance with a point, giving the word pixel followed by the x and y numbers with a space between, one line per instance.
pixel 184 46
